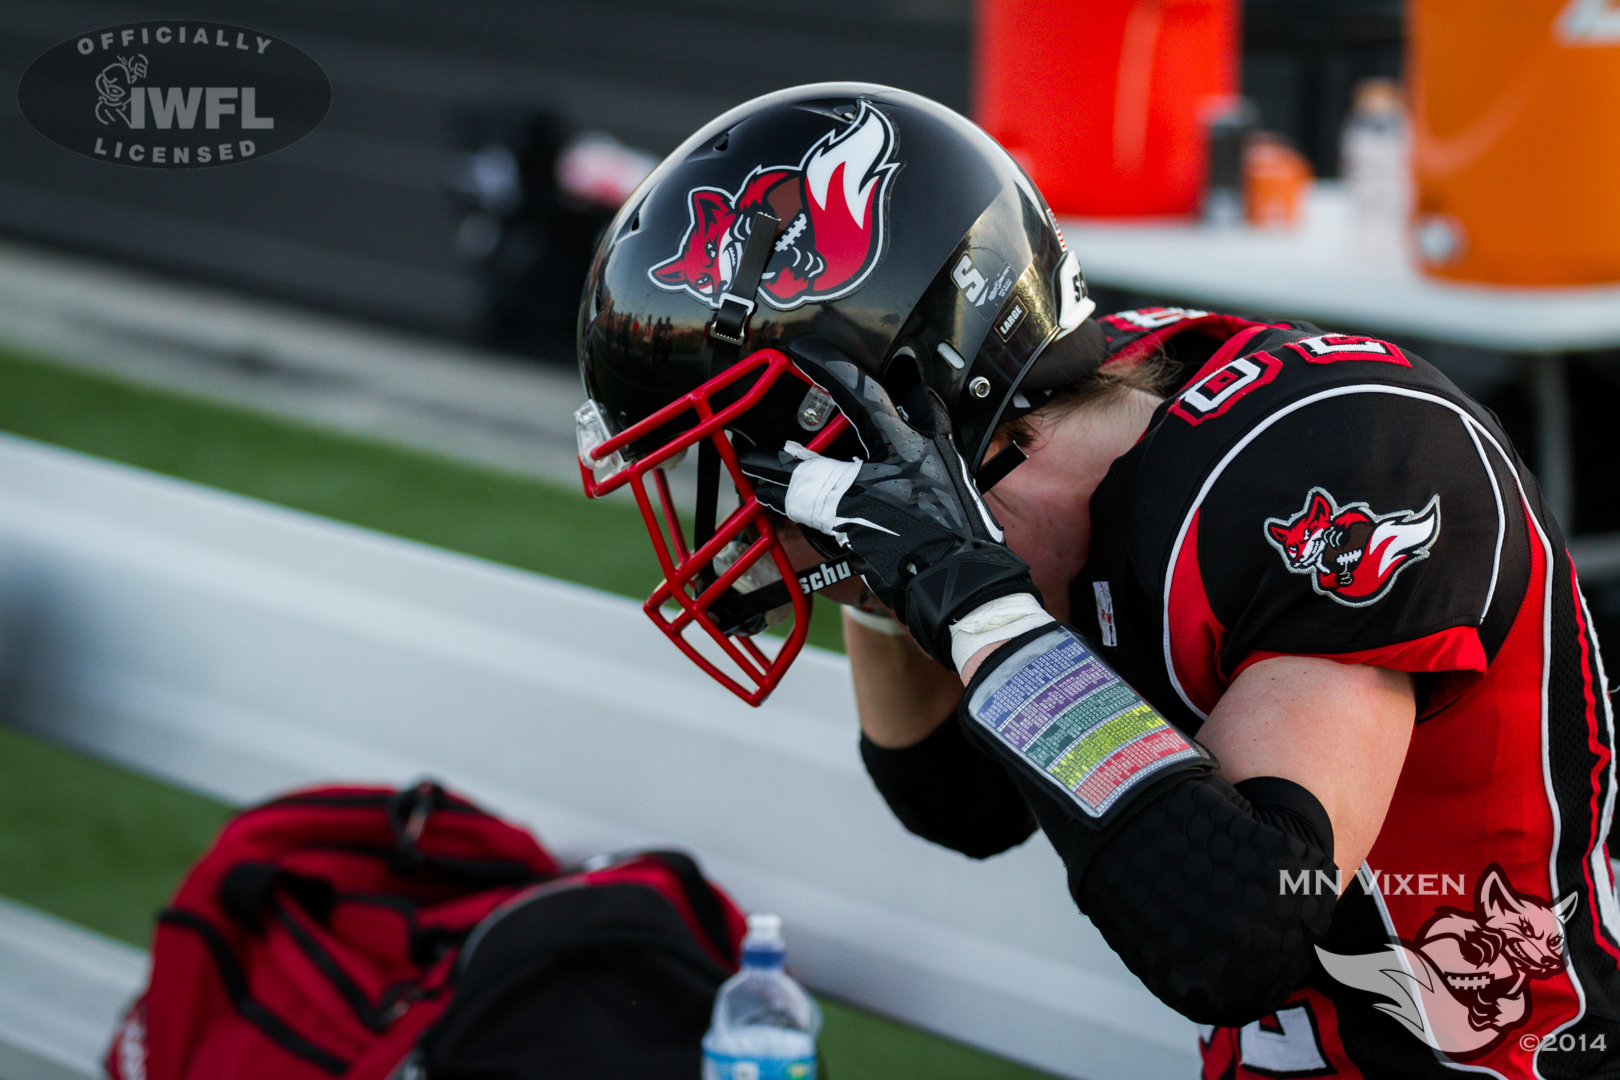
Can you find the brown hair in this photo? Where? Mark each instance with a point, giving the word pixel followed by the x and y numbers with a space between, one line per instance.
pixel 1155 374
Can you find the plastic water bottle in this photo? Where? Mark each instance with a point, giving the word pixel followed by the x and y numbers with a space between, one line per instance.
pixel 1374 157
pixel 765 1025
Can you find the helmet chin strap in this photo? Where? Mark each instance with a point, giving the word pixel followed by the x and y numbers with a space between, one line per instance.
pixel 824 574
pixel 744 613
pixel 995 470
pixel 729 327
pixel 727 332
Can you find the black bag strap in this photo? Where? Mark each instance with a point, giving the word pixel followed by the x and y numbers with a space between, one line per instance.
pixel 245 892
pixel 235 980
pixel 248 893
pixel 408 811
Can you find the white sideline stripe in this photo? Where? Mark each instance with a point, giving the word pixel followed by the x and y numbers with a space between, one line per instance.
pixel 62 989
pixel 239 649
pixel 408 626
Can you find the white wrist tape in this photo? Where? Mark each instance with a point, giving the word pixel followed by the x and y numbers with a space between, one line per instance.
pixel 872 620
pixel 818 485
pixel 1002 619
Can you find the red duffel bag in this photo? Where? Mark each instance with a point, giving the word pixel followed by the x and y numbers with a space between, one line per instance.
pixel 318 937
pixel 325 935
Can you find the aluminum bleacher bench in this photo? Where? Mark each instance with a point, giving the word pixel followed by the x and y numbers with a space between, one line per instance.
pixel 62 988
pixel 240 649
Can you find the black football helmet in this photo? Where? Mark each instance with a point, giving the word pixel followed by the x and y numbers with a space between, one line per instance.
pixel 885 224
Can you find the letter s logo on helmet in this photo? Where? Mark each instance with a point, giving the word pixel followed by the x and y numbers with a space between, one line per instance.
pixel 872 197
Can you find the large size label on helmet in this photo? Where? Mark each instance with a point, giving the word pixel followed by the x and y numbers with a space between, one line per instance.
pixel 831 206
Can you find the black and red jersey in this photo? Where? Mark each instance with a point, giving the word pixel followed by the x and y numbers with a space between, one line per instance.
pixel 1320 494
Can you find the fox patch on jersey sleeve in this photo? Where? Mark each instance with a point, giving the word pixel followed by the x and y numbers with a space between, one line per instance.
pixel 1351 554
pixel 1373 523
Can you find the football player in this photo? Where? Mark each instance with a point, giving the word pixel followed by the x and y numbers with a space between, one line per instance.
pixel 1266 627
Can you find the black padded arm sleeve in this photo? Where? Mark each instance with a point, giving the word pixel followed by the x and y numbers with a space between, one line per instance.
pixel 1213 905
pixel 945 791
pixel 1188 890
pixel 1289 808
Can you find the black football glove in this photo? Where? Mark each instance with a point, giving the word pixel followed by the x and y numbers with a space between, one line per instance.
pixel 921 536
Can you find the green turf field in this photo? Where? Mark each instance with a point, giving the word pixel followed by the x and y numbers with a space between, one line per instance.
pixel 104 847
pixel 502 517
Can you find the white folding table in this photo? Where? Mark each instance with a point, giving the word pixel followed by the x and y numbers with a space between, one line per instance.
pixel 1311 273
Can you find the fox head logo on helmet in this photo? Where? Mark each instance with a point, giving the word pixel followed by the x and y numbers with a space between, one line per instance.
pixel 831 206
pixel 1350 553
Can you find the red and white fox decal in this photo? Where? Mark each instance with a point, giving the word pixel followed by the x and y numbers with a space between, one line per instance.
pixel 831 206
pixel 1350 553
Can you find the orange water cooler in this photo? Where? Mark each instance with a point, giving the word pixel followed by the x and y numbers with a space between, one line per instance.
pixel 1516 140
pixel 1104 101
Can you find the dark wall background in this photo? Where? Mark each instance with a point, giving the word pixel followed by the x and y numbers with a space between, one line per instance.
pixel 355 217
pixel 1303 58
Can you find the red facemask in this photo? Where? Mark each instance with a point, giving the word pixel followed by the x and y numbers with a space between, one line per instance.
pixel 701 590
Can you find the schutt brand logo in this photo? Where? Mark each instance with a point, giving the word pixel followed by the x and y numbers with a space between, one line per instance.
pixel 831 206
pixel 167 95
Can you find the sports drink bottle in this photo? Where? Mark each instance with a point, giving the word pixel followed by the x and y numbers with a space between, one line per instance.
pixel 764 1025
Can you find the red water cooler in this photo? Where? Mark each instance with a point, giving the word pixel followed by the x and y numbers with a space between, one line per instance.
pixel 1103 101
